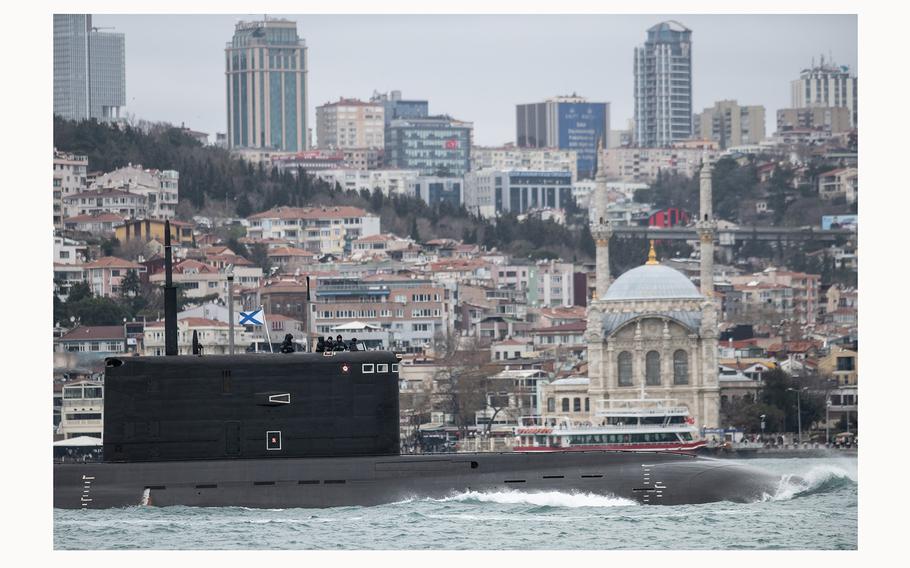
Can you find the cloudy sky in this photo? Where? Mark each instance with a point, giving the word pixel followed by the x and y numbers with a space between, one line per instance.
pixel 477 68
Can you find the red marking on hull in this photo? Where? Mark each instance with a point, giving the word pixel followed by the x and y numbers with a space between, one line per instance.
pixel 613 447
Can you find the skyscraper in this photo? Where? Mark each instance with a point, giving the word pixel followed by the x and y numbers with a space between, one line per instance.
pixel 568 123
pixel 825 85
pixel 89 69
pixel 663 86
pixel 266 84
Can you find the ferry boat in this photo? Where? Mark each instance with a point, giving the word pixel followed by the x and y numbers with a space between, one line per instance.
pixel 631 425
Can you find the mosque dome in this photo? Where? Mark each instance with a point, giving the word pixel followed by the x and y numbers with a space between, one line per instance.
pixel 652 282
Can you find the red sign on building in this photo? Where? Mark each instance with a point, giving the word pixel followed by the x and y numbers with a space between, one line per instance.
pixel 452 144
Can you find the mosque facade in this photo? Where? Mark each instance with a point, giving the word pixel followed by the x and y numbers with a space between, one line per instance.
pixel 651 333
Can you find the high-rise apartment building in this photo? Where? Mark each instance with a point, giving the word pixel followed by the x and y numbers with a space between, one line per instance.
pixel 350 123
pixel 729 124
pixel 435 145
pixel 825 85
pixel 567 123
pixel 266 83
pixel 663 86
pixel 89 69
pixel 827 119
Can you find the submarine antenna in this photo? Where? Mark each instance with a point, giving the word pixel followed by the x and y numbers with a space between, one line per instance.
pixel 309 317
pixel 170 297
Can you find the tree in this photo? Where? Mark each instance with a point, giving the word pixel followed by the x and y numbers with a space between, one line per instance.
pixel 130 285
pixel 415 233
pixel 97 311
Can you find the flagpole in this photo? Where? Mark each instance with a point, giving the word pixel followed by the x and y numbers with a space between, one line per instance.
pixel 230 295
pixel 265 324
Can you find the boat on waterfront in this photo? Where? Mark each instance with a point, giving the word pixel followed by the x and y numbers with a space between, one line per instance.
pixel 642 425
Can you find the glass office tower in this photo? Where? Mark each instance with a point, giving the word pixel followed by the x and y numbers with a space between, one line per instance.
pixel 663 86
pixel 266 83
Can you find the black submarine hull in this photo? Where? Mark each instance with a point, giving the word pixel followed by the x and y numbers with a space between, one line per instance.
pixel 655 478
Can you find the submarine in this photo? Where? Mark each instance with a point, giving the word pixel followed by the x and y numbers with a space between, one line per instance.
pixel 321 429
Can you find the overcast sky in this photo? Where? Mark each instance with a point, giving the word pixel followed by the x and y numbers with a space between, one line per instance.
pixel 477 68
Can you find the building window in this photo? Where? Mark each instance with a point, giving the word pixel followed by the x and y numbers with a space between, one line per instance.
pixel 624 363
pixel 576 405
pixel 551 404
pixel 845 364
pixel 652 368
pixel 587 404
pixel 680 368
pixel 565 405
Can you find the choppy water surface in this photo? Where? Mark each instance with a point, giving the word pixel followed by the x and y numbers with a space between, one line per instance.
pixel 818 513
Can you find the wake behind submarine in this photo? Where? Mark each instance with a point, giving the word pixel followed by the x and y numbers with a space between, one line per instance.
pixel 318 430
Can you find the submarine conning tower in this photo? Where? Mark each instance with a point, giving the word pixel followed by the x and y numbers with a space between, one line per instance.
pixel 336 403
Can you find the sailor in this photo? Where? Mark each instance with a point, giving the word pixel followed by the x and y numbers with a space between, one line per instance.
pixel 339 343
pixel 353 344
pixel 329 344
pixel 320 344
pixel 287 346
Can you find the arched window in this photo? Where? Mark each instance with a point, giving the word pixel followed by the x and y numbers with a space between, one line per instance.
pixel 565 405
pixel 576 405
pixel 551 404
pixel 652 368
pixel 624 362
pixel 680 367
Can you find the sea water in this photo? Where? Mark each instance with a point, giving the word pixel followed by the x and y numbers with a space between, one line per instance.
pixel 815 507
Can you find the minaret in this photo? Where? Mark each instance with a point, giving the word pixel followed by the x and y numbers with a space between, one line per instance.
pixel 601 229
pixel 706 227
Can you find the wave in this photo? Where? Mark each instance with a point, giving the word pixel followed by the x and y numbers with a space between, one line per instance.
pixel 539 499
pixel 819 479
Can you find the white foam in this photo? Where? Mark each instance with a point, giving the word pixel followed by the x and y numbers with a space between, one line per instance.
pixel 792 485
pixel 542 499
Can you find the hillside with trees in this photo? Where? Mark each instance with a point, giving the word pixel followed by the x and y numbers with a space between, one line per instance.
pixel 212 182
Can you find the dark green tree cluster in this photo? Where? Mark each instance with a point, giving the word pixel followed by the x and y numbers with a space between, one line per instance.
pixel 777 401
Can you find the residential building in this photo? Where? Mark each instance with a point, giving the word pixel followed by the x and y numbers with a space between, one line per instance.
pixel 510 349
pixel 824 118
pixel 106 274
pixel 310 161
pixel 805 292
pixel 201 279
pixel 490 193
pixel 319 229
pixel 434 190
pixel 99 340
pixel 566 337
pixel 89 69
pixel 98 201
pixel 387 181
pixel 663 86
pixel 643 164
pixel 68 251
pixel 82 410
pixel 69 178
pixel 841 365
pixel 94 223
pixel 266 83
pixel 511 157
pixel 547 283
pixel 153 229
pixel 363 158
pixel 411 311
pixel 839 183
pixel 729 124
pixel 434 145
pixel 349 123
pixel 825 85
pixel 567 123
pixel 213 336
pixel 161 188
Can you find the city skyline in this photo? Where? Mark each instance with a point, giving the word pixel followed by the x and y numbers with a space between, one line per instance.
pixel 425 57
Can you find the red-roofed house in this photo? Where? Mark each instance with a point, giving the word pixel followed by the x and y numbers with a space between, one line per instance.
pixel 105 274
pixel 319 229
pixel 96 223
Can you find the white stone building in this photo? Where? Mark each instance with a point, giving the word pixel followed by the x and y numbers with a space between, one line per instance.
pixel 387 181
pixel 350 123
pixel 160 188
pixel 511 157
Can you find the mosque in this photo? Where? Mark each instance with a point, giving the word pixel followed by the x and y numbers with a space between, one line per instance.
pixel 652 332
